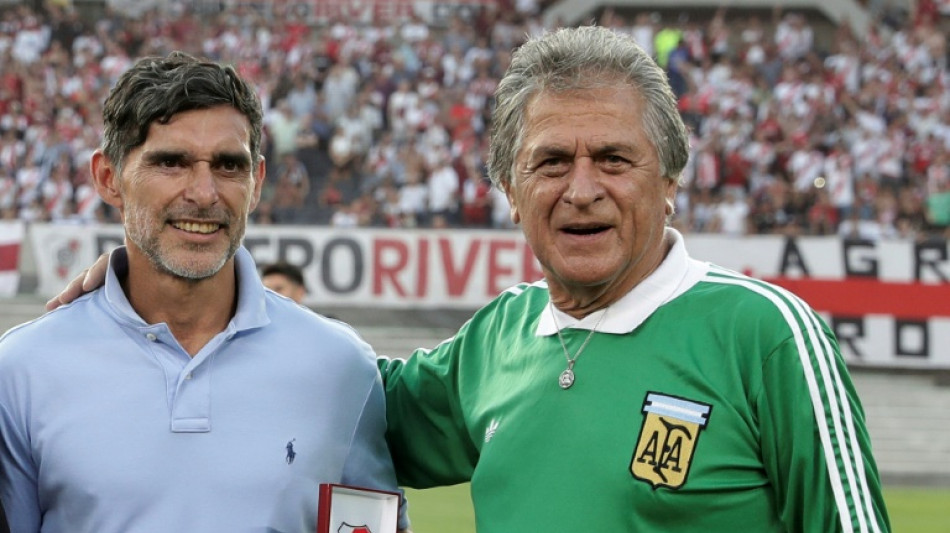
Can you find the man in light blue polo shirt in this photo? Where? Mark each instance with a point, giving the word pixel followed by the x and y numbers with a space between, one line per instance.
pixel 183 396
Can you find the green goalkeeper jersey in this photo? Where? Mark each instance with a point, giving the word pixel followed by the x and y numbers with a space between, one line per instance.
pixel 704 401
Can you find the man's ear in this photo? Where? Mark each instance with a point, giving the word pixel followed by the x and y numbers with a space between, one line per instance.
pixel 512 202
pixel 258 183
pixel 105 176
pixel 670 207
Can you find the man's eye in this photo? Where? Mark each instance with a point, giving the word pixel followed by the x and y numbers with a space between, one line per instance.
pixel 170 162
pixel 553 167
pixel 232 166
pixel 615 163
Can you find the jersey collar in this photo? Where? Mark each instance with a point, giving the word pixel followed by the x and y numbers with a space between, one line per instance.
pixel 676 274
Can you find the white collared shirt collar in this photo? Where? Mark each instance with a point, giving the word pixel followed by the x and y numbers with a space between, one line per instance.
pixel 675 275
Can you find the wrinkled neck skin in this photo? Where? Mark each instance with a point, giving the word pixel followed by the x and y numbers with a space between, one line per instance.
pixel 579 301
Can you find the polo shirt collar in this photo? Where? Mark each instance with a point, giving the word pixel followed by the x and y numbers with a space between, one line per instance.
pixel 251 309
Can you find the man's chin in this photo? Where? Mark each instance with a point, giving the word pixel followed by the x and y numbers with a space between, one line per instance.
pixel 194 269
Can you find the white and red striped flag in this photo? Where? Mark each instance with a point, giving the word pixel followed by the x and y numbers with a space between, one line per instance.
pixel 11 238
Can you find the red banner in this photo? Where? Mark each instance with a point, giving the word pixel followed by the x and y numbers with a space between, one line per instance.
pixel 860 296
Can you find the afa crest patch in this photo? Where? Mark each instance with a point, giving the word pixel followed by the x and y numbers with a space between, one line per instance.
pixel 668 437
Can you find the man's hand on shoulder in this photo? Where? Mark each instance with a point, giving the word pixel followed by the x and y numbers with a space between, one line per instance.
pixel 87 280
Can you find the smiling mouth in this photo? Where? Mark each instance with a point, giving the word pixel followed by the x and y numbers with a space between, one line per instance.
pixel 585 230
pixel 203 228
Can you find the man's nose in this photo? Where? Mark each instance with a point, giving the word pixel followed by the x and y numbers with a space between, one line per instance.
pixel 202 186
pixel 584 187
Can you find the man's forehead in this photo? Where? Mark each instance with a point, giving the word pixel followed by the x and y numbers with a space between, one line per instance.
pixel 204 123
pixel 169 139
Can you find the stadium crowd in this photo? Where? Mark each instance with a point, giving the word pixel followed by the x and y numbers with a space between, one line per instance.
pixel 385 124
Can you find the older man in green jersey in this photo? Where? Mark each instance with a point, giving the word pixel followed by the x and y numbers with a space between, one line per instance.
pixel 634 388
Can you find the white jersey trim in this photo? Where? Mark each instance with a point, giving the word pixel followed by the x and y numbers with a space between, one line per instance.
pixel 790 306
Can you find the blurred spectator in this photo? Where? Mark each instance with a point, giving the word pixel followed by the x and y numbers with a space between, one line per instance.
pixel 678 68
pixel 822 215
pixel 500 209
pixel 345 216
pixel 476 200
pixel 854 227
pixel 29 177
pixel 302 97
pixel 404 111
pixel 387 198
pixel 8 206
pixel 806 163
pixel 56 190
pixel 339 89
pixel 31 40
pixel 289 190
pixel 354 134
pixel 938 209
pixel 443 186
pixel 282 127
pixel 793 35
pixel 414 199
pixel 729 216
pixel 285 279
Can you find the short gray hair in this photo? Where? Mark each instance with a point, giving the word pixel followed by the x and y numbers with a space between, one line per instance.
pixel 584 58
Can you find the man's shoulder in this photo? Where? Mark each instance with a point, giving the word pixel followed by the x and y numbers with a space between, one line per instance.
pixel 746 298
pixel 741 285
pixel 303 321
pixel 55 325
pixel 523 294
pixel 57 335
pixel 516 302
pixel 306 331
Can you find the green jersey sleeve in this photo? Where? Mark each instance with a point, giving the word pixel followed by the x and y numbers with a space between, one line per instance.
pixel 815 447
pixel 426 431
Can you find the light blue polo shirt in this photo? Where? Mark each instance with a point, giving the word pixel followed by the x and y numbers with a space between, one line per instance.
pixel 108 425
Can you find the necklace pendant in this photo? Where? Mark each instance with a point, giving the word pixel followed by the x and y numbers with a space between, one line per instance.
pixel 566 379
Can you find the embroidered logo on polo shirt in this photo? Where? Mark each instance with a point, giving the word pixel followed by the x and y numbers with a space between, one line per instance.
pixel 668 438
pixel 291 454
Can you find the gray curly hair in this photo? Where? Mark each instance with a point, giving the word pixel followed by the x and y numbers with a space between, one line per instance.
pixel 587 57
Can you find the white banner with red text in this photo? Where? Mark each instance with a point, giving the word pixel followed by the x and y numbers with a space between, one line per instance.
pixel 888 301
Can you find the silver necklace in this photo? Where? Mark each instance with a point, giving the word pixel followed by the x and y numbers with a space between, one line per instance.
pixel 566 379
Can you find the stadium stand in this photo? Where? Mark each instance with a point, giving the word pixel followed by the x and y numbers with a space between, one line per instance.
pixel 804 122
